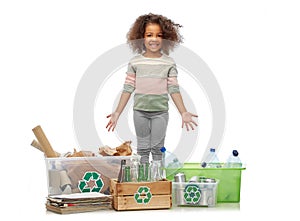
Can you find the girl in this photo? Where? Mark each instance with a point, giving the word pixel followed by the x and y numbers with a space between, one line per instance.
pixel 152 75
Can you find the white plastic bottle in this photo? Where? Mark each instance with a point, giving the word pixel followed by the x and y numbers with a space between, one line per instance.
pixel 212 159
pixel 233 160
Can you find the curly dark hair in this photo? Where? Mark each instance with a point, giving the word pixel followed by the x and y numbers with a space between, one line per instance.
pixel 171 35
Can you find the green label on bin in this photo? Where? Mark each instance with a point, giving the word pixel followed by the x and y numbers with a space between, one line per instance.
pixel 192 193
pixel 91 182
pixel 143 195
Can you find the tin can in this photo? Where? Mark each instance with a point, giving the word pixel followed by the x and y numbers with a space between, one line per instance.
pixel 202 179
pixel 194 179
pixel 211 192
pixel 209 180
pixel 204 197
pixel 179 177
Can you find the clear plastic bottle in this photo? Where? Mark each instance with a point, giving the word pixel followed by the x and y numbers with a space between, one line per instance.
pixel 170 160
pixel 163 158
pixel 163 163
pixel 175 164
pixel 212 159
pixel 233 160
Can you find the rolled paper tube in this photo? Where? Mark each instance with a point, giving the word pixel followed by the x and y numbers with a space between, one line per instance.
pixel 41 137
pixel 54 178
pixel 54 182
pixel 38 146
pixel 64 178
pixel 67 189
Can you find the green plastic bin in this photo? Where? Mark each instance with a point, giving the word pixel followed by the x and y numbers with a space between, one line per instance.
pixel 229 179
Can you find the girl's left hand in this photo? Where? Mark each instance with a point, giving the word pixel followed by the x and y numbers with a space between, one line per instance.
pixel 188 121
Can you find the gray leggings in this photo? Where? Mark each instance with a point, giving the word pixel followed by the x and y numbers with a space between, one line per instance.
pixel 150 128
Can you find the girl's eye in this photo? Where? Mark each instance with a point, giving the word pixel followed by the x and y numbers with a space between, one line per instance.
pixel 151 35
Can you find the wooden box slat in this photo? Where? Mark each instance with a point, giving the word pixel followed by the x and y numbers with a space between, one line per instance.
pixel 157 188
pixel 128 203
pixel 123 195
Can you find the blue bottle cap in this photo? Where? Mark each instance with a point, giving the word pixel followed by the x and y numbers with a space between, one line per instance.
pixel 203 164
pixel 212 150
pixel 163 149
pixel 235 153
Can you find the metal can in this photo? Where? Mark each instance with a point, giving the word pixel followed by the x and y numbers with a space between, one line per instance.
pixel 194 179
pixel 202 179
pixel 209 180
pixel 208 192
pixel 204 197
pixel 179 177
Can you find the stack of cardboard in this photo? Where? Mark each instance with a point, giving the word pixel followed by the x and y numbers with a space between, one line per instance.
pixel 78 202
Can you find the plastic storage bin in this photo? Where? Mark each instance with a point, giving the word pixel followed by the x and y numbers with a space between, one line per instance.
pixel 82 174
pixel 229 179
pixel 195 193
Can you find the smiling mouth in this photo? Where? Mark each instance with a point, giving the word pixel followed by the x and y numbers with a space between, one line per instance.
pixel 154 45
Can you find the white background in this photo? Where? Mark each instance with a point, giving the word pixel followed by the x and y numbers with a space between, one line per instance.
pixel 252 47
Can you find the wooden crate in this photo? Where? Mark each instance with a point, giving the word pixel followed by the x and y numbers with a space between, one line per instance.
pixel 141 195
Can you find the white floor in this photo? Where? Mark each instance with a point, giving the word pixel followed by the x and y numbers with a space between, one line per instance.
pixel 174 213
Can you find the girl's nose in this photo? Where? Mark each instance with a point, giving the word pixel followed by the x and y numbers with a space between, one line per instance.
pixel 154 38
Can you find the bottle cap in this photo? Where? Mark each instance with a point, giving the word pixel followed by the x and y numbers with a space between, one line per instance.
pixel 235 153
pixel 163 149
pixel 212 150
pixel 203 164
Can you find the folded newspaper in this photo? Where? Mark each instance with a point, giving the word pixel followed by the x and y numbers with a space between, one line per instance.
pixel 78 202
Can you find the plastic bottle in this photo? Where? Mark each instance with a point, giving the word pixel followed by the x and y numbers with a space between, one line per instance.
pixel 233 160
pixel 212 159
pixel 170 160
pixel 163 163
pixel 163 158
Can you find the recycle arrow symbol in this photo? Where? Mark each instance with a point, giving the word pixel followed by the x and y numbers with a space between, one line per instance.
pixel 143 195
pixel 90 176
pixel 192 193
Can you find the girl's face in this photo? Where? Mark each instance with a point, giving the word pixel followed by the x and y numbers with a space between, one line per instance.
pixel 153 40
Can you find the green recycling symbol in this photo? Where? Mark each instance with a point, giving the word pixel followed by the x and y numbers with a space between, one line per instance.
pixel 90 176
pixel 143 195
pixel 192 193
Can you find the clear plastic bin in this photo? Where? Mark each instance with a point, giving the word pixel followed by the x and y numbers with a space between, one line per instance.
pixel 82 174
pixel 195 193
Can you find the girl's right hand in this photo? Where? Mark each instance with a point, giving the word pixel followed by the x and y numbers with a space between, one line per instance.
pixel 187 120
pixel 113 121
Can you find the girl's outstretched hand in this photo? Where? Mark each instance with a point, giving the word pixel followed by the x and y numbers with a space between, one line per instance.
pixel 113 121
pixel 187 120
